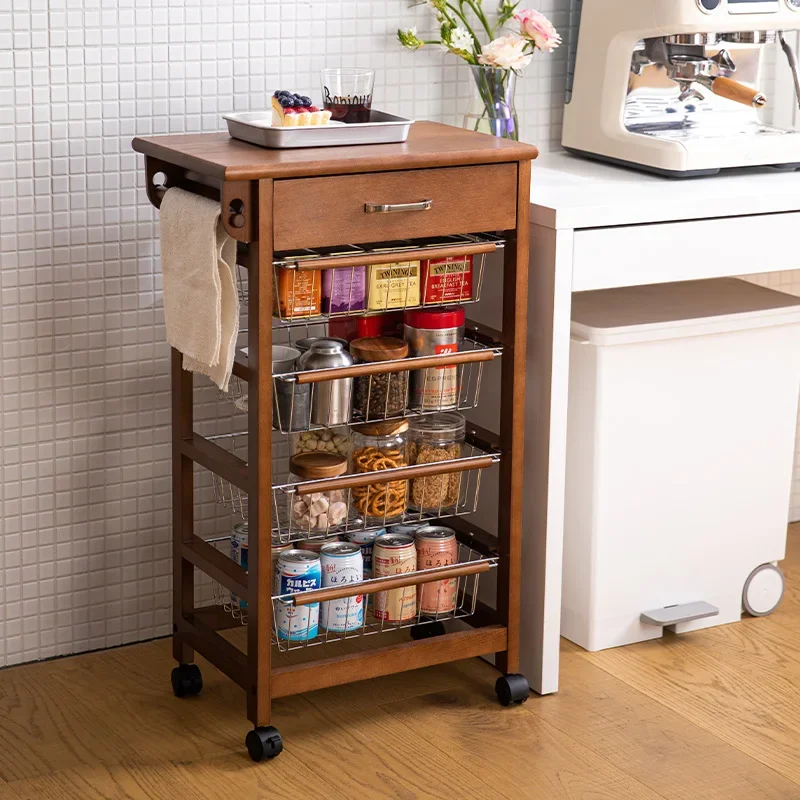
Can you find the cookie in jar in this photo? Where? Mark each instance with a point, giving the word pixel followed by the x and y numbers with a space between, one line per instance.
pixel 317 511
pixel 435 438
pixel 379 446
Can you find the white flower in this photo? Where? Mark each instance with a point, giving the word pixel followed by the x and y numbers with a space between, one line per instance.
pixel 461 39
pixel 507 52
pixel 408 38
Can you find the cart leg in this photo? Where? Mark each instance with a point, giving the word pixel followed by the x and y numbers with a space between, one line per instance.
pixel 182 505
pixel 512 424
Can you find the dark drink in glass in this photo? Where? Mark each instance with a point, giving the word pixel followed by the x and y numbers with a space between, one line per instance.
pixel 347 94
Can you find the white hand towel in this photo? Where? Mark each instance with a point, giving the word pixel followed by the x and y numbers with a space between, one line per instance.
pixel 201 304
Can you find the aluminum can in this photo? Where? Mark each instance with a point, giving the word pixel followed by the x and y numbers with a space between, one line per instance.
pixel 331 401
pixel 240 548
pixel 437 547
pixel 315 545
pixel 409 528
pixel 342 563
pixel 298 571
pixel 394 554
pixel 366 541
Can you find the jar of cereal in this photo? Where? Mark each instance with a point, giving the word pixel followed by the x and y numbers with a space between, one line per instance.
pixel 438 437
pixel 317 512
pixel 378 446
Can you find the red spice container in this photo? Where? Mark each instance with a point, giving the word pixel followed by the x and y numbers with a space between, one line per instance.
pixel 446 280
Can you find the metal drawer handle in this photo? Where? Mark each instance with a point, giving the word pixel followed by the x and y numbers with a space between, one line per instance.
pixel 388 208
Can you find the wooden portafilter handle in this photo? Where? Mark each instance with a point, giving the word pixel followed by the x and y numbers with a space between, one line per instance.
pixel 738 92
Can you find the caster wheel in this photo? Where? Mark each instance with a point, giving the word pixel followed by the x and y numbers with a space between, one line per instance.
pixel 427 630
pixel 512 688
pixel 187 680
pixel 264 743
pixel 763 590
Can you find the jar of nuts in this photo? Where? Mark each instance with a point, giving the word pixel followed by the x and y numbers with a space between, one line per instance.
pixel 317 512
pixel 438 437
pixel 326 440
pixel 379 396
pixel 378 446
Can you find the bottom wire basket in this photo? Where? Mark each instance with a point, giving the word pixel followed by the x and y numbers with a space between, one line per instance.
pixel 372 606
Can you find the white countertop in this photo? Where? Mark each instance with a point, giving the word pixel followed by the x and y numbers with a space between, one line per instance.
pixel 572 192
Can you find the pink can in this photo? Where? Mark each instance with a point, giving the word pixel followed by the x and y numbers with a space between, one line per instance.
pixel 437 547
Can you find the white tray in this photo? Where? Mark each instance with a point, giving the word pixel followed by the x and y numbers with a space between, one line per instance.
pixel 256 127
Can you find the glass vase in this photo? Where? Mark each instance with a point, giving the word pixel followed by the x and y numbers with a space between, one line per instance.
pixel 491 109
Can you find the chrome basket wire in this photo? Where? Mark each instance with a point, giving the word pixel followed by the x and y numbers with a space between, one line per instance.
pixel 285 615
pixel 288 526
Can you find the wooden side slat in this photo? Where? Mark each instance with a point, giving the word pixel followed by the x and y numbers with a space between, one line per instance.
pixel 213 457
pixel 216 565
pixel 388 660
pixel 216 618
pixel 219 651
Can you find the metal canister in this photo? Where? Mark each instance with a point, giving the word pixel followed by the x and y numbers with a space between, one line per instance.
pixel 366 541
pixel 394 554
pixel 409 528
pixel 297 571
pixel 240 548
pixel 437 547
pixel 342 563
pixel 315 545
pixel 431 332
pixel 303 345
pixel 331 401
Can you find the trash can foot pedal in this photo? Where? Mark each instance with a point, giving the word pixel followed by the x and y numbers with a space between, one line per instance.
pixel 682 612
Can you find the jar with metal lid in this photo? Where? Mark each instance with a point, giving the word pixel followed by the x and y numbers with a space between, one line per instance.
pixel 378 446
pixel 317 512
pixel 383 395
pixel 433 438
pixel 330 400
pixel 431 332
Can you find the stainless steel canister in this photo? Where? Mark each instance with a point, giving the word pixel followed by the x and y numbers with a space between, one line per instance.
pixel 330 400
pixel 304 345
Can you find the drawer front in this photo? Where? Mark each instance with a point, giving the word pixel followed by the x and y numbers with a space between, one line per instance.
pixel 633 255
pixel 316 212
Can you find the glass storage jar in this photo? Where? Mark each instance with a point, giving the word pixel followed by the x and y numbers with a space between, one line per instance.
pixel 438 437
pixel 337 440
pixel 318 512
pixel 378 446
pixel 384 395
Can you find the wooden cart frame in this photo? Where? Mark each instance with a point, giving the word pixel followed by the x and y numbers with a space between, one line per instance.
pixel 264 197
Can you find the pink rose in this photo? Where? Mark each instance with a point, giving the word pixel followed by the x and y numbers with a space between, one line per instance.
pixel 536 28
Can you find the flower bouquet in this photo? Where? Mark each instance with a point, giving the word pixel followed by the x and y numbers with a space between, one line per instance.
pixel 494 65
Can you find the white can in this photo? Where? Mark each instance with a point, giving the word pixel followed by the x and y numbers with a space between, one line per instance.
pixel 297 571
pixel 342 563
pixel 240 548
pixel 366 541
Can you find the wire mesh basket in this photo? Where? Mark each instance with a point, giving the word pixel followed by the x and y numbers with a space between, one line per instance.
pixel 450 487
pixel 375 605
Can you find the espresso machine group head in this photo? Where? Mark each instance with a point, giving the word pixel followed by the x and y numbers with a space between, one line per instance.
pixel 678 87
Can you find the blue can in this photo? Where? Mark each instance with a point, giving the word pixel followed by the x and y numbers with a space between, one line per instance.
pixel 297 571
pixel 240 548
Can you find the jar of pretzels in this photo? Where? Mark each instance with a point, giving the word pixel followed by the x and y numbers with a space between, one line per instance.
pixel 433 438
pixel 378 446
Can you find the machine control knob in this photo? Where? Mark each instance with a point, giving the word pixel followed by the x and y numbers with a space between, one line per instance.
pixel 709 5
pixel 793 4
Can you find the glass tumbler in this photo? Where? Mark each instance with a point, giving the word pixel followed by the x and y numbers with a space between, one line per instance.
pixel 347 93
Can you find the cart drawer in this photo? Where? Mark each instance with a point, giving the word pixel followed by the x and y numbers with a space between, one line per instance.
pixel 315 212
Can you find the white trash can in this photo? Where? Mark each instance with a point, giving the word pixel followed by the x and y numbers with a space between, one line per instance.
pixel 682 416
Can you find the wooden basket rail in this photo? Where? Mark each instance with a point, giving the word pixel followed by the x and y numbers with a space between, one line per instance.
pixel 412 472
pixel 387 583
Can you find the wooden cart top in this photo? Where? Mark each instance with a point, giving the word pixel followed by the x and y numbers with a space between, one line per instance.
pixel 430 144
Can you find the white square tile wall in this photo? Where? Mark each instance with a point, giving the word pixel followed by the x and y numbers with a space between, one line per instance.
pixel 84 420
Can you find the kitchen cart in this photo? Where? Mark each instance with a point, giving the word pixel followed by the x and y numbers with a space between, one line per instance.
pixel 444 192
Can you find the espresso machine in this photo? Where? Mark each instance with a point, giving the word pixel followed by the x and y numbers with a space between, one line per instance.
pixel 682 87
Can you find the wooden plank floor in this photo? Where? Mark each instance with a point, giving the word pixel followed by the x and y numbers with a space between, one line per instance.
pixel 714 714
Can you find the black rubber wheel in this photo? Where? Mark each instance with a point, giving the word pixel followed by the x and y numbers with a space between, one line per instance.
pixel 264 743
pixel 427 630
pixel 512 688
pixel 187 680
